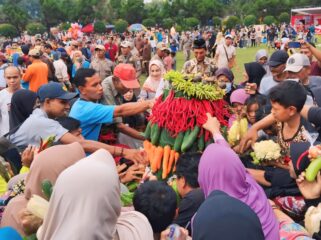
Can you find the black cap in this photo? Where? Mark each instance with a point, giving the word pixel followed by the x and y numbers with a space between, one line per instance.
pixel 199 43
pixel 54 90
pixel 297 152
pixel 277 58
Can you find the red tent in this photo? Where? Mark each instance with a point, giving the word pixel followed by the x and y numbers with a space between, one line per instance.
pixel 89 28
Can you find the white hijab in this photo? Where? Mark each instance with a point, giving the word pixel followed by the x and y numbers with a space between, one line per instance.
pixel 151 84
pixel 85 203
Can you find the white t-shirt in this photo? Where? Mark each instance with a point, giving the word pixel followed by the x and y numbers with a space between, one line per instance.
pixel 222 61
pixel 3 82
pixel 5 101
pixel 266 84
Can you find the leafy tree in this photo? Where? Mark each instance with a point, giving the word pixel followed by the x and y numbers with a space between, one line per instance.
pixel 217 21
pixel 249 20
pixel 284 17
pixel 15 15
pixel 149 22
pixel 206 9
pixel 35 28
pixel 99 27
pixel 131 10
pixel 191 22
pixel 178 28
pixel 52 12
pixel 121 25
pixel 168 23
pixel 231 22
pixel 115 7
pixel 65 26
pixel 8 30
pixel 88 10
pixel 268 20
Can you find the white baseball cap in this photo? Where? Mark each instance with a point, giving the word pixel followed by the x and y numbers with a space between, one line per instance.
pixel 296 62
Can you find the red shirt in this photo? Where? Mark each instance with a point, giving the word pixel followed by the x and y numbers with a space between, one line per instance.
pixel 112 49
pixel 315 69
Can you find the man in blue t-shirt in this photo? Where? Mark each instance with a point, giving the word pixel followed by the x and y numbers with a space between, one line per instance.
pixel 92 114
pixel 41 124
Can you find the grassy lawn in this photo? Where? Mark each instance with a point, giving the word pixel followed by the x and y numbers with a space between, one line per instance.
pixel 243 55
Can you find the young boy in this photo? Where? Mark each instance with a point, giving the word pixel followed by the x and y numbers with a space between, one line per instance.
pixel 287 100
pixel 157 201
pixel 188 189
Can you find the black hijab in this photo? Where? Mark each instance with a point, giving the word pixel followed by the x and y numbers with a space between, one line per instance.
pixel 255 71
pixel 22 105
pixel 222 217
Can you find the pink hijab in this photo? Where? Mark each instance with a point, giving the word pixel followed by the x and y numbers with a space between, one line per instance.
pixel 46 165
pixel 221 169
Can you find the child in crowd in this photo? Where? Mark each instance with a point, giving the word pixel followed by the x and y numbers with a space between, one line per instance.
pixel 72 125
pixel 168 60
pixel 157 201
pixel 237 123
pixel 225 80
pixel 136 121
pixel 238 98
pixel 287 99
pixel 253 105
pixel 188 189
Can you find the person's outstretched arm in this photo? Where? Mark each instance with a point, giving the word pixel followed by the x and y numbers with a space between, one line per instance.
pixel 136 156
pixel 213 126
pixel 129 109
pixel 251 135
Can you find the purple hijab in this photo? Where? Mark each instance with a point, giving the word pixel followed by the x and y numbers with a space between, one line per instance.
pixel 221 169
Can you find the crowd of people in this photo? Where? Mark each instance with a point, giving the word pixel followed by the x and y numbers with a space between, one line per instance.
pixel 72 114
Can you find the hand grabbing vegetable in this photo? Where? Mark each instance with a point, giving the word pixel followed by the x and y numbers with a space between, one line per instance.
pixel 134 172
pixel 183 234
pixel 212 124
pixel 27 155
pixel 137 156
pixel 309 190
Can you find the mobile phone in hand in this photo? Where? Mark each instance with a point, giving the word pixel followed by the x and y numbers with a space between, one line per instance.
pixel 294 44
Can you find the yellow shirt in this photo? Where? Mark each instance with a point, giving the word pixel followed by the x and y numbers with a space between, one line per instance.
pixel 24 170
pixel 3 185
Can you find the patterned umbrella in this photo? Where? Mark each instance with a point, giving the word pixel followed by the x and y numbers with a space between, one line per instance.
pixel 137 27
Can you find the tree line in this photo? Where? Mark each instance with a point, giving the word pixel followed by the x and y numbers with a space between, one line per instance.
pixel 40 15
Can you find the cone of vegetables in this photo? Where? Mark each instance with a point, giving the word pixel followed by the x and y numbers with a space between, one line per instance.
pixel 175 124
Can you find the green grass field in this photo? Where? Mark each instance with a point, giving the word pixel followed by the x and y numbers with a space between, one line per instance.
pixel 243 55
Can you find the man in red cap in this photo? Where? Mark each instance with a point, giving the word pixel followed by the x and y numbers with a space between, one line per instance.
pixel 114 87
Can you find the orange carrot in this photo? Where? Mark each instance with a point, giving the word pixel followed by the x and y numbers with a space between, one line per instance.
pixel 167 153
pixel 158 157
pixel 171 161
pixel 176 158
pixel 147 145
pixel 151 157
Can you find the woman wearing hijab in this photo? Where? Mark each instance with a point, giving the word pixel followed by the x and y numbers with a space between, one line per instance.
pixel 254 73
pixel 225 80
pixel 93 211
pixel 222 217
pixel 22 104
pixel 221 169
pixel 262 58
pixel 156 73
pixel 46 165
